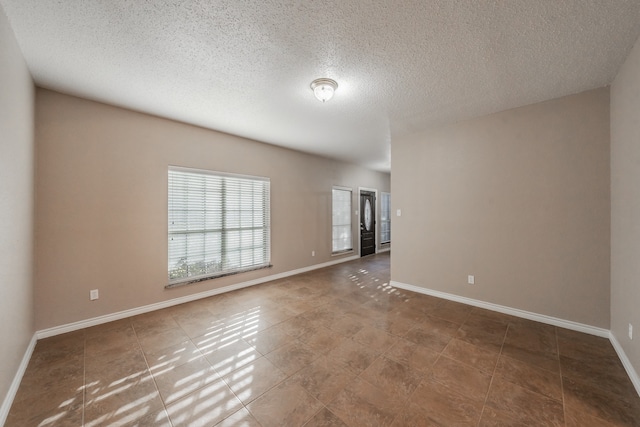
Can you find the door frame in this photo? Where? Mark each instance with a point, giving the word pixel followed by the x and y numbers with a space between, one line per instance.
pixel 376 237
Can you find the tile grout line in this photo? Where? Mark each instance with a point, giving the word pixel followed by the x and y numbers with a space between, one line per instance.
pixel 284 380
pixel 360 373
pixel 84 376
pixel 495 369
pixel 216 371
pixel 424 377
pixel 564 405
pixel 146 361
pixel 244 406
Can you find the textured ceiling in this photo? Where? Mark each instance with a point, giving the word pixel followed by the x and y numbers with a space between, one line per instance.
pixel 244 67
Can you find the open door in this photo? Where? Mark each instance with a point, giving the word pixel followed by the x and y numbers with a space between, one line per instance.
pixel 367 223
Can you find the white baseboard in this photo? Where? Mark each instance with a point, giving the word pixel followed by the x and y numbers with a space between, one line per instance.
pixel 70 327
pixel 633 375
pixel 387 249
pixel 17 379
pixel 567 324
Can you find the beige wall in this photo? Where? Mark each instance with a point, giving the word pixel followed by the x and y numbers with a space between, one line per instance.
pixel 625 206
pixel 520 199
pixel 101 192
pixel 16 206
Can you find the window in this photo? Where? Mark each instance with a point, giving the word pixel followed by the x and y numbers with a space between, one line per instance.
pixel 341 206
pixel 385 218
pixel 218 224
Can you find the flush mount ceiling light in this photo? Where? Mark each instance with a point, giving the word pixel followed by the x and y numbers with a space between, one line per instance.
pixel 323 88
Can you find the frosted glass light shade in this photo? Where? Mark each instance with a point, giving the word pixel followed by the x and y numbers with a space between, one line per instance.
pixel 323 89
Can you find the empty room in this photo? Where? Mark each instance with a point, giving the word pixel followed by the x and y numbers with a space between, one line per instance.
pixel 302 213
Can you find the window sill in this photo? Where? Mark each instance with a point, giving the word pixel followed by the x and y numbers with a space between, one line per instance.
pixel 190 281
pixel 348 251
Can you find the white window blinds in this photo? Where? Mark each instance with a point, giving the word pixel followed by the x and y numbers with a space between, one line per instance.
pixel 342 240
pixel 385 218
pixel 218 224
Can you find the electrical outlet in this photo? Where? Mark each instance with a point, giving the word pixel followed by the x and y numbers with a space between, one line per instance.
pixel 313 253
pixel 93 295
pixel 471 280
pixel 630 331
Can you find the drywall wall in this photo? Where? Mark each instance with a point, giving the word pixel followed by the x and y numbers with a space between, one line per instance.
pixel 625 206
pixel 520 199
pixel 16 206
pixel 101 193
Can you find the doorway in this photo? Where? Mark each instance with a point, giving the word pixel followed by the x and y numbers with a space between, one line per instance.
pixel 367 223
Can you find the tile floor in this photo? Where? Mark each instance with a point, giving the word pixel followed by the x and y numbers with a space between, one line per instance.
pixel 333 347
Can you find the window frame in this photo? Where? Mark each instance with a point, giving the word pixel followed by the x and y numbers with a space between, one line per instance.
pixel 223 179
pixel 333 225
pixel 382 220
